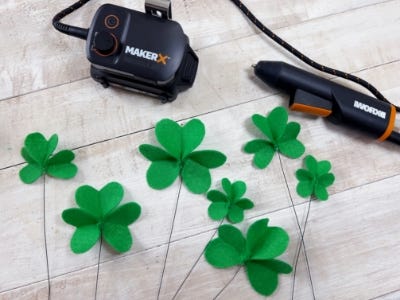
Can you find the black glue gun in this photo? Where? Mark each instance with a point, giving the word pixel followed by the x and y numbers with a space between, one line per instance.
pixel 315 95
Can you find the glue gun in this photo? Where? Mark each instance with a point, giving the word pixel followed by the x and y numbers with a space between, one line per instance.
pixel 315 95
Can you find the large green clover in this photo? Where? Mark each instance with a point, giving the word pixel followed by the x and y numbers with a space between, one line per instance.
pixel 315 179
pixel 179 157
pixel 230 205
pixel 38 153
pixel 257 253
pixel 99 215
pixel 282 137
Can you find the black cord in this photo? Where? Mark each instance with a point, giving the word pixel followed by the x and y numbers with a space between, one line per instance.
pixel 68 29
pixel 308 60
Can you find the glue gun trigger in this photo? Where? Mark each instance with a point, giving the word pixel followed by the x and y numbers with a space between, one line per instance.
pixel 308 103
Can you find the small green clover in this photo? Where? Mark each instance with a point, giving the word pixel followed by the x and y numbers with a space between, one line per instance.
pixel 231 204
pixel 257 253
pixel 99 215
pixel 282 137
pixel 178 158
pixel 315 179
pixel 38 153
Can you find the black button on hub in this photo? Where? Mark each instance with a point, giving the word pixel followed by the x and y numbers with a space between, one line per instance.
pixel 104 43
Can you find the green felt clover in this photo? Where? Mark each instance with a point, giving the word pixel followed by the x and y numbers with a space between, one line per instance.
pixel 257 252
pixel 231 204
pixel 282 137
pixel 38 153
pixel 99 215
pixel 178 157
pixel 315 179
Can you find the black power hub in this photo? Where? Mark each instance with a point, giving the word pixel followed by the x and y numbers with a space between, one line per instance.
pixel 146 52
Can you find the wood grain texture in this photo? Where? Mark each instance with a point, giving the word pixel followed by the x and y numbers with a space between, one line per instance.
pixel 352 240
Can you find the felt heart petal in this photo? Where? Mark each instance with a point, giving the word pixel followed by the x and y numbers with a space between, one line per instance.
pixel 304 175
pixel 272 243
pixel 263 158
pixel 125 215
pixel 235 214
pixel 292 130
pixel 277 120
pixel 222 255
pixel 117 236
pixel 110 196
pixel 62 157
pixel 27 157
pixel 238 189
pixel 326 179
pixel 245 203
pixel 291 148
pixel 162 174
pixel 261 277
pixel 263 125
pixel 305 188
pixel 154 153
pixel 84 238
pixel 320 192
pixel 63 171
pixel 208 158
pixel 227 186
pixel 278 266
pixel 311 163
pixel 234 237
pixel 78 217
pixel 52 145
pixel 30 173
pixel 216 196
pixel 169 135
pixel 196 177
pixel 36 146
pixel 323 167
pixel 88 198
pixel 218 210
pixel 192 135
pixel 256 146
pixel 256 232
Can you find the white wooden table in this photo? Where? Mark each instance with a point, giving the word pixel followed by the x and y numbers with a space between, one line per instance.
pixel 352 240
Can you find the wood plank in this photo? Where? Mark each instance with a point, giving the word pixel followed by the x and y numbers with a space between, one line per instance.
pixel 208 281
pixel 28 66
pixel 86 113
pixel 22 254
pixel 353 242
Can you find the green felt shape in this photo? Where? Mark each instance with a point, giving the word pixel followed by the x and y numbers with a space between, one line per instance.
pixel 315 178
pixel 266 242
pixel 230 205
pixel 99 215
pixel 196 177
pixel 257 253
pixel 281 137
pixel 178 157
pixel 38 153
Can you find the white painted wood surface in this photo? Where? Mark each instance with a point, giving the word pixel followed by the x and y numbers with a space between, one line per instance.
pixel 353 240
